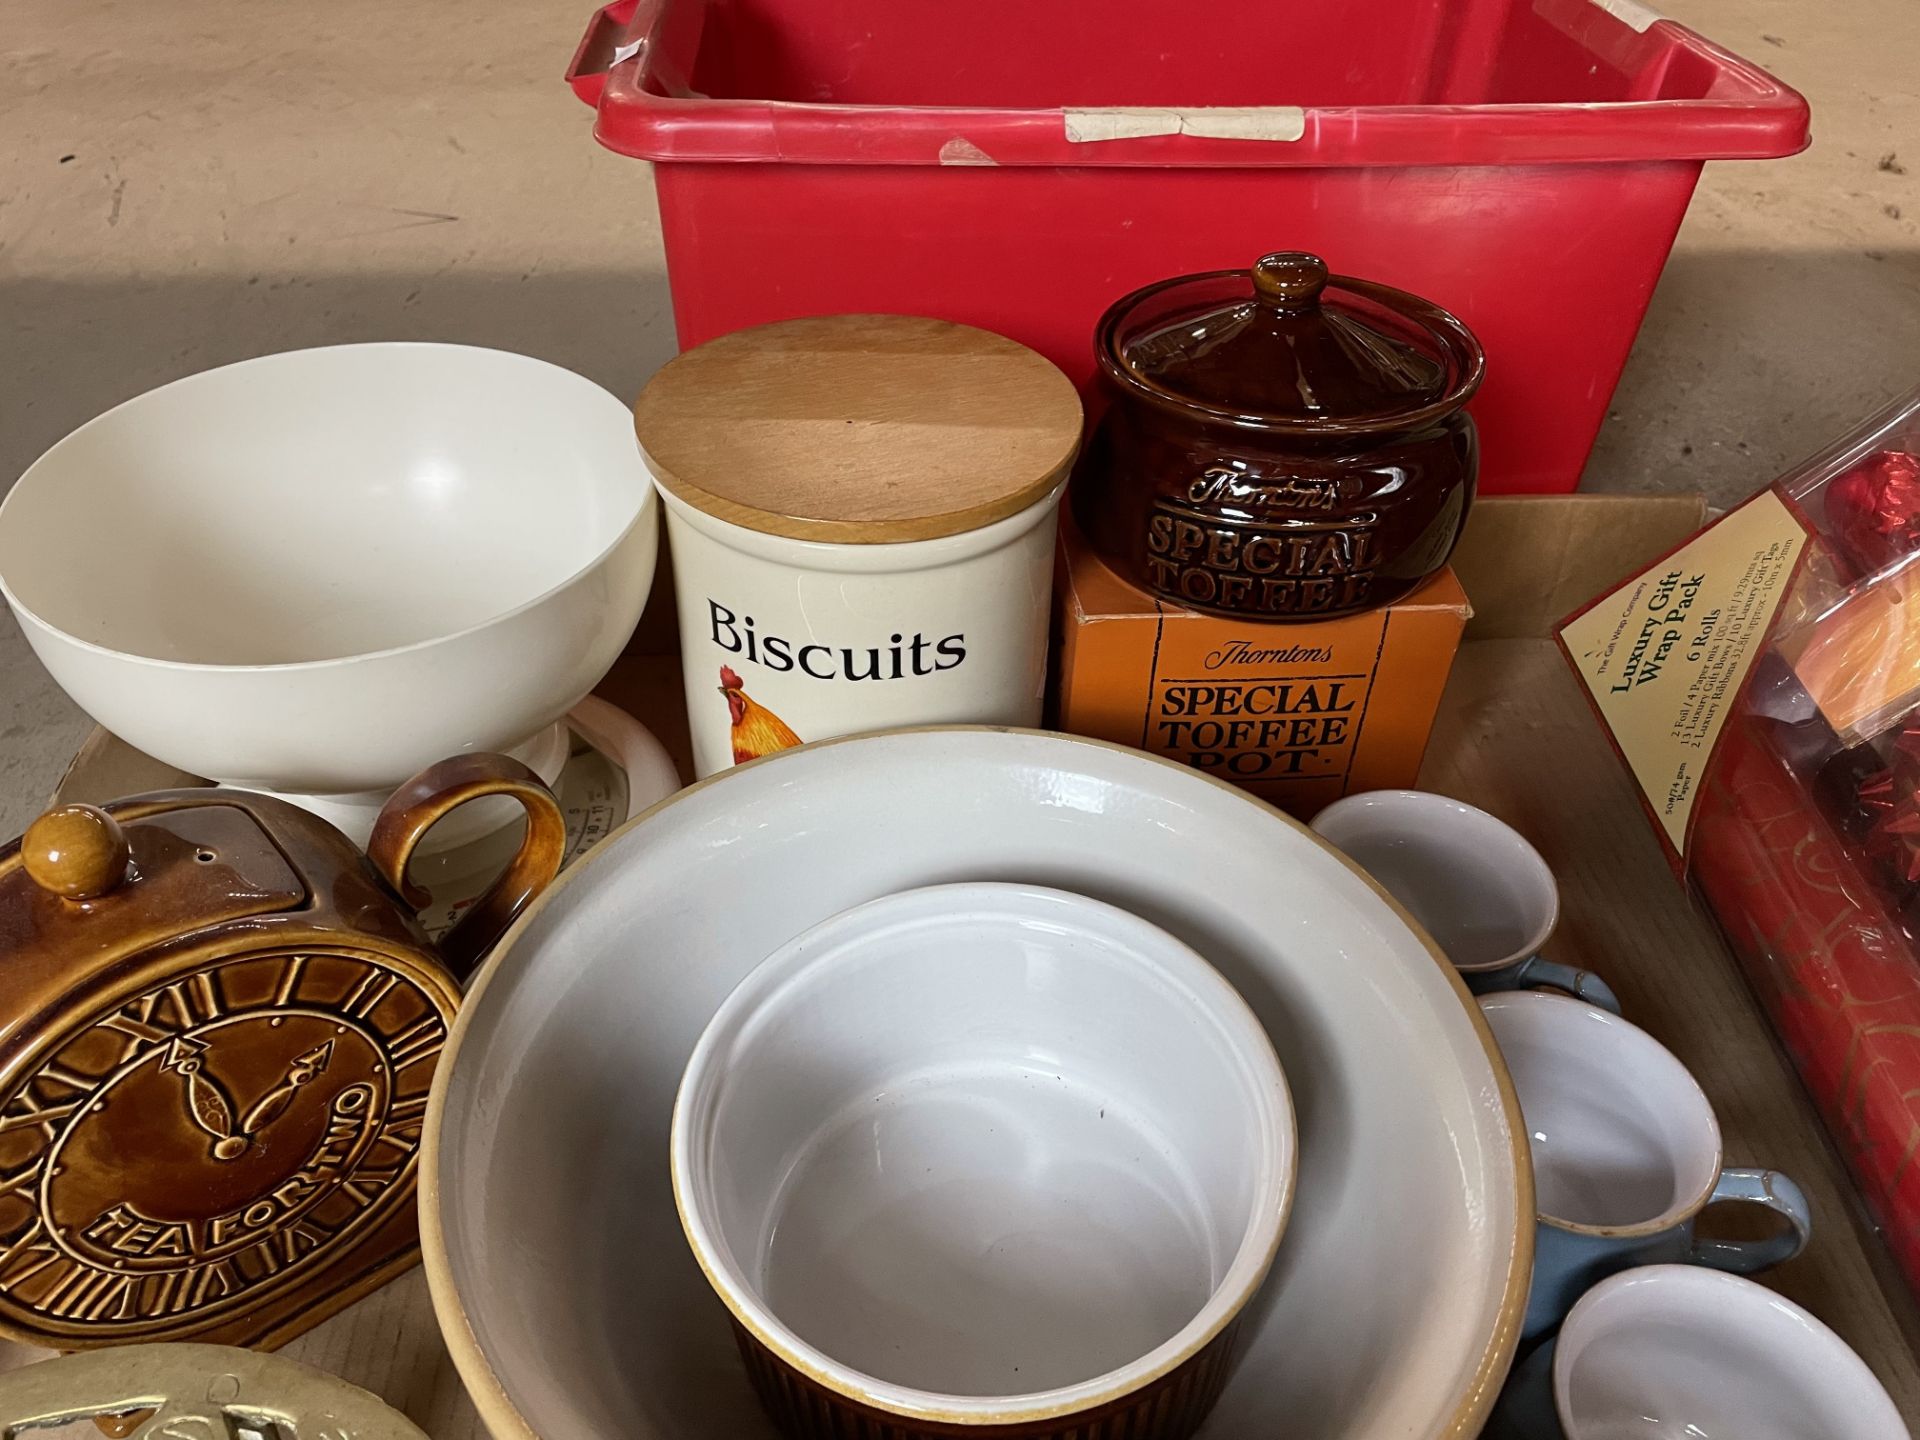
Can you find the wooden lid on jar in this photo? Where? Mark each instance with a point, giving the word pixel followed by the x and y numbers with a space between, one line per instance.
pixel 860 429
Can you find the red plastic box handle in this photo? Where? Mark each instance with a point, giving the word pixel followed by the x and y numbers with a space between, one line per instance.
pixel 612 28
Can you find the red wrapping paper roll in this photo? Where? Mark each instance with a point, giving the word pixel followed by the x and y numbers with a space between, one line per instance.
pixel 1830 961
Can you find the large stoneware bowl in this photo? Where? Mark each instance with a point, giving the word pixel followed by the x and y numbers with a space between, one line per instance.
pixel 315 573
pixel 565 1289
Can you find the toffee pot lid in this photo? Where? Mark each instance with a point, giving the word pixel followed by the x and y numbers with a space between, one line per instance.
pixel 859 429
pixel 1287 346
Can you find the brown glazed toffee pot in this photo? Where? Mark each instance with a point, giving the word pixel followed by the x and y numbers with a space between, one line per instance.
pixel 218 1027
pixel 1280 444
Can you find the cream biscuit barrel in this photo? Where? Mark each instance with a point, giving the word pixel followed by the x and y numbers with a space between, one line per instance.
pixel 861 513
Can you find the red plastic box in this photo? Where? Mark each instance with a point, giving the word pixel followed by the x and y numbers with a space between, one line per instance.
pixel 1019 164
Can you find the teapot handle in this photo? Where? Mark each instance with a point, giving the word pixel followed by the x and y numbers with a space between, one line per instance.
pixel 440 788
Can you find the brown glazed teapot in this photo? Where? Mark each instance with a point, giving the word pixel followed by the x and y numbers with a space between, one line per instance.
pixel 218 1026
pixel 1280 444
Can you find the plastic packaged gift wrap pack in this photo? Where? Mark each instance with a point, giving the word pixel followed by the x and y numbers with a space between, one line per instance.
pixel 1762 684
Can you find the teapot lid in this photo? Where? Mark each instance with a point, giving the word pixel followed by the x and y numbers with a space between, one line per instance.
pixel 1287 346
pixel 86 883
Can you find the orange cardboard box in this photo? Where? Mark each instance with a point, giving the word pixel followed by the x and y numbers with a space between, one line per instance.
pixel 1297 714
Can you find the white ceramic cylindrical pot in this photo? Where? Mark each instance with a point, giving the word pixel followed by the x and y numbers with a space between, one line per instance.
pixel 861 513
pixel 793 638
pixel 984 1155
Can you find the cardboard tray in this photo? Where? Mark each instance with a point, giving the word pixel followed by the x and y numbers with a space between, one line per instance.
pixel 1513 736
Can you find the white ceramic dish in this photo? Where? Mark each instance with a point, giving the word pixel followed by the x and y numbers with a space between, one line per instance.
pixel 315 573
pixel 1674 1350
pixel 984 1153
pixel 564 1287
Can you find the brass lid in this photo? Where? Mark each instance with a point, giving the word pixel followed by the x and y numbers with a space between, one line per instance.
pixel 164 1392
pixel 1287 346
pixel 860 429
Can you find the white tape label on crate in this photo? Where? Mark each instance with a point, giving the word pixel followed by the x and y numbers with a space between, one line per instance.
pixel 1631 13
pixel 1127 122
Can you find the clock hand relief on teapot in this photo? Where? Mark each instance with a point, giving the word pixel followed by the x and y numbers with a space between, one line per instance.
pixel 861 513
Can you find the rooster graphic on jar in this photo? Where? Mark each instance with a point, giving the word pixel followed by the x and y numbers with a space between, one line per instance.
pixel 757 730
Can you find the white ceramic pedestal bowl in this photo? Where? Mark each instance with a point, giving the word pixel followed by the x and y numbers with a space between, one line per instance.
pixel 564 1286
pixel 315 573
pixel 984 1153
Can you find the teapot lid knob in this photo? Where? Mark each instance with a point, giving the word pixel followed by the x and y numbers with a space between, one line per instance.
pixel 78 852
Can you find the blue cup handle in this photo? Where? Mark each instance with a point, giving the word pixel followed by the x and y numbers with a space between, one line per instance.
pixel 1582 984
pixel 1758 1187
pixel 1537 972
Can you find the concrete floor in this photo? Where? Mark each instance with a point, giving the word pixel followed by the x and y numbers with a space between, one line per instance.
pixel 187 183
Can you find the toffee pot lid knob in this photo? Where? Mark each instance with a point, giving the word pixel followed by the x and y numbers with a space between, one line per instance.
pixel 1290 280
